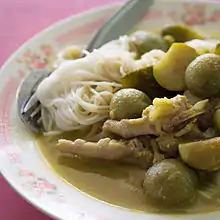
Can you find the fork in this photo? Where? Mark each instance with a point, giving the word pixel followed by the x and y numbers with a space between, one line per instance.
pixel 29 107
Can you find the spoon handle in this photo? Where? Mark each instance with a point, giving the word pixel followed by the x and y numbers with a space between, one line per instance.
pixel 121 22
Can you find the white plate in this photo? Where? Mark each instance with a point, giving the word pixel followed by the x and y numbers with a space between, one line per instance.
pixel 22 165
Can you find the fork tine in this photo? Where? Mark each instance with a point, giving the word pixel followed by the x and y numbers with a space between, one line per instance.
pixel 28 105
pixel 29 102
pixel 33 117
pixel 27 112
pixel 36 111
pixel 36 117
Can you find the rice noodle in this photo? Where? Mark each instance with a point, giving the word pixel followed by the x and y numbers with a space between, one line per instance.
pixel 78 92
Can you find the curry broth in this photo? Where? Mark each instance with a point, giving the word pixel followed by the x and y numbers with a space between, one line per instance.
pixel 118 184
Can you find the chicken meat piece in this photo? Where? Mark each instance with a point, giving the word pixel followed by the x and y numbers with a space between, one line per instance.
pixel 168 143
pixel 163 116
pixel 134 151
pixel 158 156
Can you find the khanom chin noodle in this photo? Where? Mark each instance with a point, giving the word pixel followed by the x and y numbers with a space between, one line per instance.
pixel 78 92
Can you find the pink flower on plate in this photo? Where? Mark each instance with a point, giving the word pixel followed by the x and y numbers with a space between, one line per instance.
pixel 47 185
pixel 47 49
pixel 36 61
pixel 194 14
pixel 14 157
pixel 215 16
pixel 39 64
pixel 33 60
pixel 26 173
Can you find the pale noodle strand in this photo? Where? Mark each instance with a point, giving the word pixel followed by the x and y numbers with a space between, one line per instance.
pixel 82 106
pixel 78 93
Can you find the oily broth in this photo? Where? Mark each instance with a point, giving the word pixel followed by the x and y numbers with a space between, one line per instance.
pixel 118 184
pixel 123 183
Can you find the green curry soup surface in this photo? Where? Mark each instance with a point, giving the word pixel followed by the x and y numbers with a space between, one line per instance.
pixel 117 184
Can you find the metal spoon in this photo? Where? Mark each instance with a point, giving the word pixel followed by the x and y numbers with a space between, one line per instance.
pixel 29 107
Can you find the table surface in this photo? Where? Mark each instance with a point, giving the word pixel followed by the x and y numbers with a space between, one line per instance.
pixel 20 20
